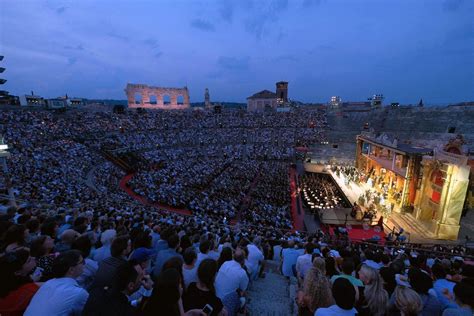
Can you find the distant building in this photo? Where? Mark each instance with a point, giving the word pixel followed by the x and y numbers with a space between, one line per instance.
pixel 267 100
pixel 32 100
pixel 207 99
pixel 56 103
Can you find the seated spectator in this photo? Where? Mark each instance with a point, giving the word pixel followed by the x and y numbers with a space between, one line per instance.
pixel 189 267
pixel 61 295
pixel 442 286
pixel 119 250
pixel 166 254
pixel 344 294
pixel 304 262
pixel 316 291
pixel 255 260
pixel 202 292
pixel 166 297
pixel 16 286
pixel 66 240
pixel 374 298
pixel 407 301
pixel 106 239
pixel 289 257
pixel 84 245
pixel 114 300
pixel 347 269
pixel 421 283
pixel 41 248
pixel 14 237
pixel 231 282
pixel 463 295
pixel 226 255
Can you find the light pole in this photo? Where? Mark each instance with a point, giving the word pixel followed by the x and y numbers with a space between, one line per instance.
pixel 4 154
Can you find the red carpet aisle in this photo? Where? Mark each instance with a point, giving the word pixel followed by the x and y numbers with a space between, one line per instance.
pixel 145 201
pixel 297 213
pixel 357 233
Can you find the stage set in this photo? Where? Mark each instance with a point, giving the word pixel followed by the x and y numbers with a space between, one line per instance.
pixel 392 187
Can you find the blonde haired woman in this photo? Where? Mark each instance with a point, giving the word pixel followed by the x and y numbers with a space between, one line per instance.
pixel 316 289
pixel 375 298
pixel 407 301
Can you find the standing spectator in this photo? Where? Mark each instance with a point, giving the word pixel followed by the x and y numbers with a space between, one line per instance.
pixel 226 255
pixel 62 295
pixel 441 285
pixel 16 286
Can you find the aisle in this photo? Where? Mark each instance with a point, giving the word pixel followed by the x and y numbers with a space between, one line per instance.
pixel 145 201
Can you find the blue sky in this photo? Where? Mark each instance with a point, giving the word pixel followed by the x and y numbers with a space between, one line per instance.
pixel 405 49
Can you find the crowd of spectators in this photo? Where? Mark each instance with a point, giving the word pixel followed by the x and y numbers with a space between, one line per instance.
pixel 77 244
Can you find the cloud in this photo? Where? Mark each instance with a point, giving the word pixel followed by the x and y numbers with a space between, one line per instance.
pixel 61 10
pixel 233 63
pixel 158 54
pixel 203 25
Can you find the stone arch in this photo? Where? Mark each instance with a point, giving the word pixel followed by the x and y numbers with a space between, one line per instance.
pixel 138 99
pixel 166 99
pixel 153 99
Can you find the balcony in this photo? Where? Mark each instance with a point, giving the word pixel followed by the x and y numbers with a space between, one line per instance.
pixel 387 164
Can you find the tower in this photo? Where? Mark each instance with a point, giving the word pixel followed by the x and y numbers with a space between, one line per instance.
pixel 207 99
pixel 282 92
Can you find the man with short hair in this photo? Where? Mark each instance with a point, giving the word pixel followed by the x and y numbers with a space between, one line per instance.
pixel 347 269
pixel 189 266
pixel 344 294
pixel 61 295
pixel 114 300
pixel 304 262
pixel 108 267
pixel 166 254
pixel 230 279
pixel 255 260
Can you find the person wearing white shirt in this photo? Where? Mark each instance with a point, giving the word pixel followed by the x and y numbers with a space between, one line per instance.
pixel 230 279
pixel 304 262
pixel 255 259
pixel 189 267
pixel 62 295
pixel 344 294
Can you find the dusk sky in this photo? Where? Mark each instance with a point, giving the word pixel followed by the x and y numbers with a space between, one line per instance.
pixel 405 49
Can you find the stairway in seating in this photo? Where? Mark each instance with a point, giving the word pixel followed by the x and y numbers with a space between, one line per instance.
pixel 273 295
